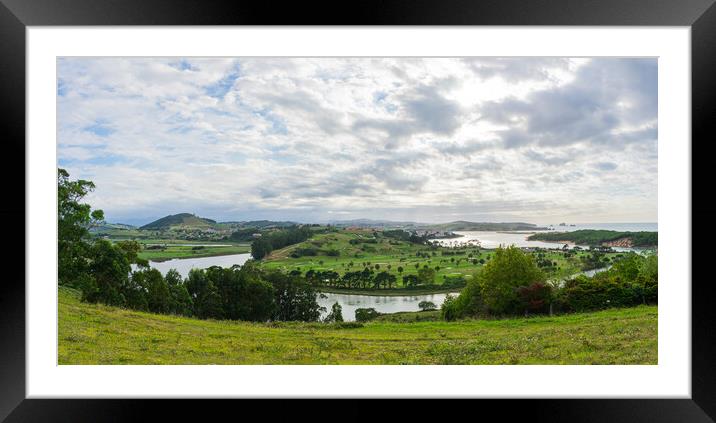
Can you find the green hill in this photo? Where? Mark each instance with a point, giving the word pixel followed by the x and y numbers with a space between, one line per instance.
pixel 98 334
pixel 181 219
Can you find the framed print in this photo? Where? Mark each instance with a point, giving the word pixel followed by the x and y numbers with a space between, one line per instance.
pixel 409 201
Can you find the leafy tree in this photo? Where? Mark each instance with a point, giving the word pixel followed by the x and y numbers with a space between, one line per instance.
pixel 109 270
pixel 410 280
pixel 208 302
pixel 135 293
pixel 158 296
pixel 293 297
pixel 536 298
pixel 131 250
pixel 426 276
pixel 427 305
pixel 366 314
pixel 74 219
pixel 499 280
pixel 336 314
pixel 181 302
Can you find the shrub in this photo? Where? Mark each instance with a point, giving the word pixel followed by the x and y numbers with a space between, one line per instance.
pixel 427 305
pixel 366 314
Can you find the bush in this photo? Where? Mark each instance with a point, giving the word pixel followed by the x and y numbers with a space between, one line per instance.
pixel 366 314
pixel 427 305
pixel 631 281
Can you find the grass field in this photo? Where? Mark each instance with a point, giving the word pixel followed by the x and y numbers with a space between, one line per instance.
pixel 96 334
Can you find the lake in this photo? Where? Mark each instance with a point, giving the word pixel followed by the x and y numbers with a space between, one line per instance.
pixel 349 303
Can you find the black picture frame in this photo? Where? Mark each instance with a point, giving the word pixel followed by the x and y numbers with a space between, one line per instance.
pixel 16 15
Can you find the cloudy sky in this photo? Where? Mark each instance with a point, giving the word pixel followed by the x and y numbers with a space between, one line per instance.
pixel 541 140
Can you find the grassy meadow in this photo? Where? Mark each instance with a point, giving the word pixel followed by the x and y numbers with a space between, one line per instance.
pixel 98 334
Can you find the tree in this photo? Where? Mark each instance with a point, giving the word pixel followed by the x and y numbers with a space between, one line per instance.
pixel 208 302
pixel 109 274
pixel 501 277
pixel 427 305
pixel 181 302
pixel 158 297
pixel 536 298
pixel 366 314
pixel 410 280
pixel 74 219
pixel 336 314
pixel 294 299
pixel 426 276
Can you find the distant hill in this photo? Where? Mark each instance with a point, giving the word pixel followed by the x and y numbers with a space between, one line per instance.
pixel 462 225
pixel 181 219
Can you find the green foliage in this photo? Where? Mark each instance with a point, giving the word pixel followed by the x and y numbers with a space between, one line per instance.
pixel 336 314
pixel 74 219
pixel 427 305
pixel 536 298
pixel 630 281
pixel 108 274
pixel 366 314
pixel 181 302
pixel 294 298
pixel 426 276
pixel 496 290
pixel 501 277
pixel 207 304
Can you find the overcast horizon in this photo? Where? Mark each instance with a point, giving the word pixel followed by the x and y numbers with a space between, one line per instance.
pixel 538 140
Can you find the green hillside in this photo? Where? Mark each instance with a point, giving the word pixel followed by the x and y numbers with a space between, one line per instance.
pixel 181 219
pixel 97 334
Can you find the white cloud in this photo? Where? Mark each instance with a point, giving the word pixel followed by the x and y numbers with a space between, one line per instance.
pixel 311 139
